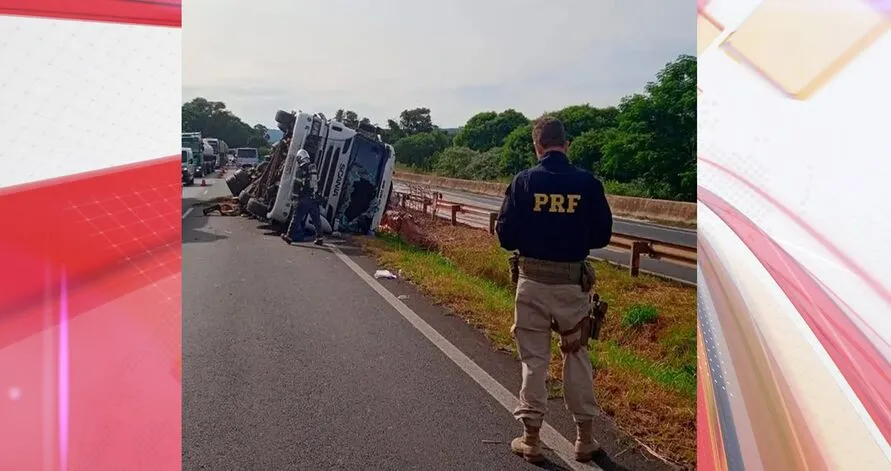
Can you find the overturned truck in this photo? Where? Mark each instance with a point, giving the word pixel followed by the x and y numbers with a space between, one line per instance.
pixel 355 175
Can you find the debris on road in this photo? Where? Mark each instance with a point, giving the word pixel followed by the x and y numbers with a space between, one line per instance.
pixel 226 207
pixel 402 297
pixel 384 274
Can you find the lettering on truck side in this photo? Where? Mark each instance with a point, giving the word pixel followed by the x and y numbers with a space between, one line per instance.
pixel 340 170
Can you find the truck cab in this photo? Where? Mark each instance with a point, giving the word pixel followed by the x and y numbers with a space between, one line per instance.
pixel 247 157
pixel 188 164
pixel 193 141
pixel 355 174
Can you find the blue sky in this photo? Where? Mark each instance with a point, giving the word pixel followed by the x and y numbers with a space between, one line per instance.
pixel 456 57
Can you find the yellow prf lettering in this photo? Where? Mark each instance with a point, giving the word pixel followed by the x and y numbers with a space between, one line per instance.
pixel 557 204
pixel 572 203
pixel 540 200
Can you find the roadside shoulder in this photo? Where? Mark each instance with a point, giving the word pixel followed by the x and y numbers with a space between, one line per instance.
pixel 506 370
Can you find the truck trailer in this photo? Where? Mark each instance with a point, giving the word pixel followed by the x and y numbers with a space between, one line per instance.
pixel 193 141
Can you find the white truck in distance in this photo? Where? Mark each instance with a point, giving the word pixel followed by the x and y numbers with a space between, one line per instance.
pixel 355 174
pixel 247 156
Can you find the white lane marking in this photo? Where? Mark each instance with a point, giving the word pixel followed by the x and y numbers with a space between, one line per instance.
pixel 549 436
pixel 186 214
pixel 205 192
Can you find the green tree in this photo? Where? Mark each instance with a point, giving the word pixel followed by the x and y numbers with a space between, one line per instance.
pixel 585 150
pixel 655 139
pixel 212 119
pixel 392 132
pixel 580 118
pixel 489 129
pixel 416 121
pixel 418 150
pixel 454 161
pixel 485 165
pixel 351 119
pixel 518 151
pixel 466 163
pixel 338 115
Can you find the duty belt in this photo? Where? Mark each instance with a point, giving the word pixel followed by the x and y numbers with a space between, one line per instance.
pixel 550 273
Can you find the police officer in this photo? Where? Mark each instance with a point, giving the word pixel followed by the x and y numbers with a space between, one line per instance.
pixel 307 201
pixel 553 214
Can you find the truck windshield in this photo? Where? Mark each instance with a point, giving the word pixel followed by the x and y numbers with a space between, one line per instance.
pixel 363 184
pixel 246 153
pixel 368 160
pixel 185 156
pixel 192 143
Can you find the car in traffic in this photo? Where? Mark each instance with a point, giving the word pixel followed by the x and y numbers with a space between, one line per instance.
pixel 188 164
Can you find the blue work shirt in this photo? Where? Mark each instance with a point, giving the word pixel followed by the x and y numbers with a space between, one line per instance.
pixel 554 211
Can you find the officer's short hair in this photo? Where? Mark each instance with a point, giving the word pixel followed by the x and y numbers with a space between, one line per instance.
pixel 548 132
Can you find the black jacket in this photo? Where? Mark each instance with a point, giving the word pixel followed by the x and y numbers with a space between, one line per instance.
pixel 554 211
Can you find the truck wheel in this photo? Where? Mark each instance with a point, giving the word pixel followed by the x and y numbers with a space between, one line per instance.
pixel 244 198
pixel 237 183
pixel 257 208
pixel 284 118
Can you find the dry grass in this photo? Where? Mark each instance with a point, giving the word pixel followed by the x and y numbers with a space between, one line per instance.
pixel 671 339
pixel 645 374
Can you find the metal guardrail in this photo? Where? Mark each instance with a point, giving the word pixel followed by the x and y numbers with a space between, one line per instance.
pixel 637 246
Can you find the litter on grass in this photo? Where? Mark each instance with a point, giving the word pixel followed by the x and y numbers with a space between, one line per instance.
pixel 384 274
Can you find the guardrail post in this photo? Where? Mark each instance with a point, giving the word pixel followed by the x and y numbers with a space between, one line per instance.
pixel 493 217
pixel 455 209
pixel 637 248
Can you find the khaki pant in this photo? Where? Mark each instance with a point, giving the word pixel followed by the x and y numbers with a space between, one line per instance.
pixel 536 305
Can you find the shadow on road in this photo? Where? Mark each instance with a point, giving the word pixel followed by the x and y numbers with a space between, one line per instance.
pixel 607 464
pixel 552 465
pixel 195 222
pixel 601 460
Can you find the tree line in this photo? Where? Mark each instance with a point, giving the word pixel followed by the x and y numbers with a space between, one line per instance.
pixel 212 119
pixel 644 146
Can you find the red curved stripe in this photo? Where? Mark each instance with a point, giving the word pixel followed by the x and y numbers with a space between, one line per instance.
pixel 145 244
pixel 865 369
pixel 142 12
pixel 874 284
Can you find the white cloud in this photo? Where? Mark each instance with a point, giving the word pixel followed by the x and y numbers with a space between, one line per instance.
pixel 456 57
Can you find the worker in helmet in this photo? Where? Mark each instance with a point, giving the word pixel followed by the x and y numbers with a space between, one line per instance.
pixel 307 201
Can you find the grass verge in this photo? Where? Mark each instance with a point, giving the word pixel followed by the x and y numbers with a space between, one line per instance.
pixel 645 368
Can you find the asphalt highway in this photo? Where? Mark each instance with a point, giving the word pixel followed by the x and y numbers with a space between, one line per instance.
pixel 684 237
pixel 292 361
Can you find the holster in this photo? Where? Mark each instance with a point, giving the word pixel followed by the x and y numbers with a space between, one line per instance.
pixel 586 330
pixel 514 264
